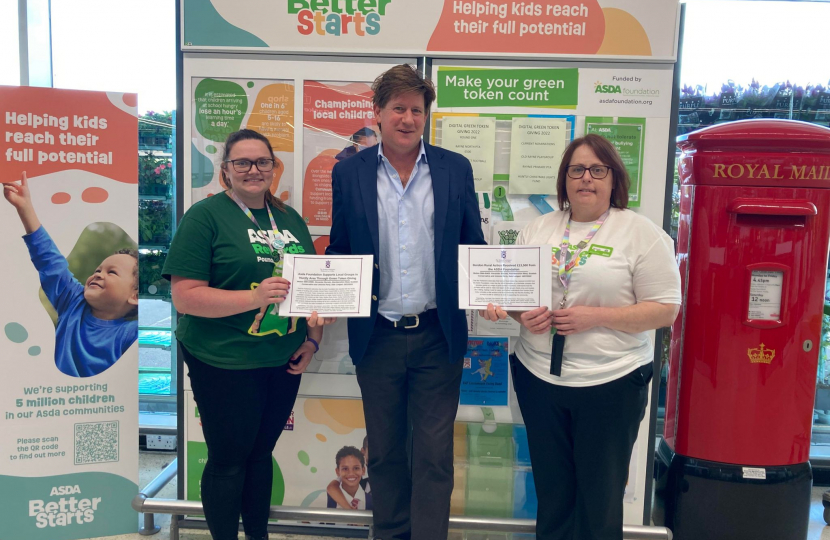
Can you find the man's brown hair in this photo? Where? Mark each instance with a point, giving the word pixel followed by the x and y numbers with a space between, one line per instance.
pixel 608 155
pixel 402 79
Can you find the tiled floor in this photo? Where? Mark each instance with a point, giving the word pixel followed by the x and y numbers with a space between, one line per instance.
pixel 152 464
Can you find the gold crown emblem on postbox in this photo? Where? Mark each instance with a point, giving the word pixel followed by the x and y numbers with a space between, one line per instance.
pixel 760 355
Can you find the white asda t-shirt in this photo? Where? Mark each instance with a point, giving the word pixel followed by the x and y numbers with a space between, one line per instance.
pixel 629 260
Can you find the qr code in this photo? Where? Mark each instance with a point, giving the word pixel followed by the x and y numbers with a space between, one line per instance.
pixel 96 442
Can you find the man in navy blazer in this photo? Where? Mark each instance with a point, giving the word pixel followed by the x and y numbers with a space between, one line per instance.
pixel 410 205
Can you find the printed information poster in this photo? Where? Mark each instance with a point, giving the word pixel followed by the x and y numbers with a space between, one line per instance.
pixel 475 139
pixel 484 378
pixel 503 136
pixel 628 139
pixel 69 391
pixel 338 122
pixel 222 106
pixel 536 150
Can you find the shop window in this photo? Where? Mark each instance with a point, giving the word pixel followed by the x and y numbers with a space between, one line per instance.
pixel 737 76
pixel 156 222
pixel 9 44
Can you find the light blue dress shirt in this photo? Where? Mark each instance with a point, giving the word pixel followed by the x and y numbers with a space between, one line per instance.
pixel 406 223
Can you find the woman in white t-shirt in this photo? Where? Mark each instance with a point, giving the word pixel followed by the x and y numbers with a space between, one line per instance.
pixel 581 370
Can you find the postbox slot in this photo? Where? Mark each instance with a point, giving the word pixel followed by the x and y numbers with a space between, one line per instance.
pixel 752 212
pixel 772 207
pixel 755 220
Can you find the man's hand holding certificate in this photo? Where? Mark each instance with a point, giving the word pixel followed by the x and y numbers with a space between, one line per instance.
pixel 331 285
pixel 516 278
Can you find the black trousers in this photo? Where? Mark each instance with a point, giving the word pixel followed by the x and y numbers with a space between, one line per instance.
pixel 243 413
pixel 580 441
pixel 410 388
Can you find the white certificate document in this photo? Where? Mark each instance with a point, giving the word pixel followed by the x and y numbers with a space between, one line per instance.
pixel 517 278
pixel 331 285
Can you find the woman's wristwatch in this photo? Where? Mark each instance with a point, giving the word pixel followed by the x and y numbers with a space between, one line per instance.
pixel 314 341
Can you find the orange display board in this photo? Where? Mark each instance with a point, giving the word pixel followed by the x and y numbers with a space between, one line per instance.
pixel 81 130
pixel 338 122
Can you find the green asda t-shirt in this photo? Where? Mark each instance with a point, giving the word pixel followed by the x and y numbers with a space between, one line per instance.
pixel 216 242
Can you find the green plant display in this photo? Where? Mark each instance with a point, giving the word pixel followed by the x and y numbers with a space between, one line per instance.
pixel 155 209
pixel 155 130
pixel 701 107
pixel 149 274
pixel 155 223
pixel 155 175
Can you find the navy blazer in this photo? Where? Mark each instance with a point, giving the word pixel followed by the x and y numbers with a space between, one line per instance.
pixel 354 231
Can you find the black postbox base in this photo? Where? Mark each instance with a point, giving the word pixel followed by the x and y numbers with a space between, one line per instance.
pixel 701 499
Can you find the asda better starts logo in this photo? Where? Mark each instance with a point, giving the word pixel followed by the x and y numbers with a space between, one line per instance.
pixel 338 17
pixel 65 510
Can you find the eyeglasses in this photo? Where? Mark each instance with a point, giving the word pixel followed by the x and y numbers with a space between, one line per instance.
pixel 244 165
pixel 598 172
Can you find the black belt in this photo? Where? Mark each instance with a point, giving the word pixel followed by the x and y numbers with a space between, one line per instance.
pixel 409 322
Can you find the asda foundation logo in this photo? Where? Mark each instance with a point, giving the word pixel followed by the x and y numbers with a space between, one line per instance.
pixel 64 511
pixel 600 87
pixel 338 17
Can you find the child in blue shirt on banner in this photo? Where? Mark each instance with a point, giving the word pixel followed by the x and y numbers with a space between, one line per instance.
pixel 96 320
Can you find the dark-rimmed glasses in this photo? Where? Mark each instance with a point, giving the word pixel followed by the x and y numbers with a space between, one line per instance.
pixel 598 172
pixel 244 165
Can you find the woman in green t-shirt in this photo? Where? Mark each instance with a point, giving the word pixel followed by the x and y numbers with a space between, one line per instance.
pixel 244 361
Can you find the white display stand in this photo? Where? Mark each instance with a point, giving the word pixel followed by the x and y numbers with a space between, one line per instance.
pixel 265 42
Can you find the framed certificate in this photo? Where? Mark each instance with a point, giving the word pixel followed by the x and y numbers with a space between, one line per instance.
pixel 331 285
pixel 516 278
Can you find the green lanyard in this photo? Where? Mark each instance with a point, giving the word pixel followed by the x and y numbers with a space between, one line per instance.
pixel 278 245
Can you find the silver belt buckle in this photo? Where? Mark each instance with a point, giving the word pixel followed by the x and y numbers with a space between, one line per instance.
pixel 417 322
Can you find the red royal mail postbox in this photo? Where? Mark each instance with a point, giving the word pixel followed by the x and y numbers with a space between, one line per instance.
pixel 752 248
